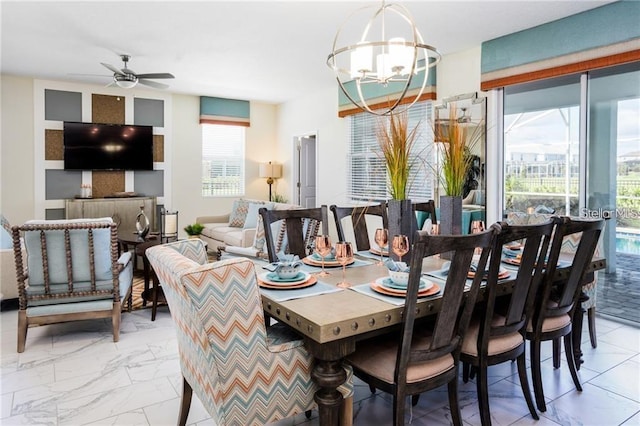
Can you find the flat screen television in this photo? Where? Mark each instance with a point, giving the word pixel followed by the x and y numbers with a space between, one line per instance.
pixel 90 146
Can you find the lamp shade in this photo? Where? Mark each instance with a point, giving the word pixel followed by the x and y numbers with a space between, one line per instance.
pixel 270 170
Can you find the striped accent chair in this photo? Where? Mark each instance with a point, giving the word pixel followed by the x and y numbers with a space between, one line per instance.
pixel 243 372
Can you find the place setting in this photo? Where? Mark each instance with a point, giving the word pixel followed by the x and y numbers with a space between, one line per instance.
pixel 325 255
pixel 285 280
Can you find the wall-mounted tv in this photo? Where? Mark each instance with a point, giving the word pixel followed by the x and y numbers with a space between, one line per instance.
pixel 90 146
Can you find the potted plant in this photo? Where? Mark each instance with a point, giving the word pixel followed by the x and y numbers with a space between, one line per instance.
pixel 194 230
pixel 455 140
pixel 396 144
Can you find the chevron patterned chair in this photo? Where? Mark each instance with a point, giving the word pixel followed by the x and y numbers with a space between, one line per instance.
pixel 243 372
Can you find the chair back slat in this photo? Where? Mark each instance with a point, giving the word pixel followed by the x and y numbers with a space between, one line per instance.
pixel 358 220
pixel 301 226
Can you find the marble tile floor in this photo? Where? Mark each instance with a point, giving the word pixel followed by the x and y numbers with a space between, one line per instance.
pixel 74 374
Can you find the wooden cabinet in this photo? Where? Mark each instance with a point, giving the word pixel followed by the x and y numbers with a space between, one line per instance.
pixel 123 211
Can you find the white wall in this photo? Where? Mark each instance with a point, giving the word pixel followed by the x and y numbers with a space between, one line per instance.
pixel 459 73
pixel 17 151
pixel 187 155
pixel 316 113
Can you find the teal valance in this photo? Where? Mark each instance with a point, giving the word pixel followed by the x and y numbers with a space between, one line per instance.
pixel 601 37
pixel 224 111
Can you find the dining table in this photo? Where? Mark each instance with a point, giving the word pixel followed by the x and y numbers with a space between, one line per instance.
pixel 332 320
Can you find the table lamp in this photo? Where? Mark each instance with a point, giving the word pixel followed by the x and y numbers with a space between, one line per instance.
pixel 270 171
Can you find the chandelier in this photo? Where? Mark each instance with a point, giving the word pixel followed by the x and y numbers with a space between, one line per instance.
pixel 392 62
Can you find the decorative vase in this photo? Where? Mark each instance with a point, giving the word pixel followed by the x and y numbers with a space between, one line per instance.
pixel 142 224
pixel 450 215
pixel 401 222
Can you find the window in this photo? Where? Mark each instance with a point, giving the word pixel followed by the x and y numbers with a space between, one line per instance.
pixel 367 170
pixel 222 160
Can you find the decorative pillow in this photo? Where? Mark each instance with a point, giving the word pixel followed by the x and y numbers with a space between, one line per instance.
pixel 239 213
pixel 5 223
pixel 251 222
pixel 6 241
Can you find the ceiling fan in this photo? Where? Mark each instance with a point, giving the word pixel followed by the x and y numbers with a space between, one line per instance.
pixel 464 118
pixel 127 78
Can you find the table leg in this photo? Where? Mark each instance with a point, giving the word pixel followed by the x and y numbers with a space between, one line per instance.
pixel 146 266
pixel 328 373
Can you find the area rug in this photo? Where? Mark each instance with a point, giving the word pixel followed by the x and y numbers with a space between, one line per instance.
pixel 137 289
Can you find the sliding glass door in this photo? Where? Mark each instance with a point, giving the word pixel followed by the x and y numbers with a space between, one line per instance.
pixel 541 147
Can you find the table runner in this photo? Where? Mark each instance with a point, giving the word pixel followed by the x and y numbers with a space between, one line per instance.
pixel 313 269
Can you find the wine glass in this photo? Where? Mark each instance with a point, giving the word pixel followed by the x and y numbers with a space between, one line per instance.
pixel 400 245
pixel 323 248
pixel 382 240
pixel 344 255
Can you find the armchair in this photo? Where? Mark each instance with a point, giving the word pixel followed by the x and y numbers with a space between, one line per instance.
pixel 243 372
pixel 71 272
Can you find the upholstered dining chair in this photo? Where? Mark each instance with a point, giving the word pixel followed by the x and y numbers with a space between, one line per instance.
pixel 358 217
pixel 243 372
pixel 569 246
pixel 422 357
pixel 71 272
pixel 496 332
pixel 293 231
pixel 556 302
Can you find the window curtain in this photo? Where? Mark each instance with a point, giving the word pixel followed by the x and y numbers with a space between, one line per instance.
pixel 231 112
pixel 598 38
pixel 379 96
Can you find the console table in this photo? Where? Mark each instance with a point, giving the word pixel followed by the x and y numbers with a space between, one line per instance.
pixel 123 211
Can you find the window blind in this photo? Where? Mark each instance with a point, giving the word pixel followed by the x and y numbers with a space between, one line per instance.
pixel 222 160
pixel 367 171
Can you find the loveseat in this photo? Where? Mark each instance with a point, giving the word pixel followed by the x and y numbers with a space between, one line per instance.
pixel 238 228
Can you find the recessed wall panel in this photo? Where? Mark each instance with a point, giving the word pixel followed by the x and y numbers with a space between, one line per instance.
pixel 149 183
pixel 62 106
pixel 148 112
pixel 107 109
pixel 54 214
pixel 61 184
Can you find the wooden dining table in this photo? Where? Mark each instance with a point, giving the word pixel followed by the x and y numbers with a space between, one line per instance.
pixel 333 323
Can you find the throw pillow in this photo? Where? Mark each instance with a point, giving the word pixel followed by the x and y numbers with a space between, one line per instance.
pixel 6 241
pixel 251 222
pixel 238 213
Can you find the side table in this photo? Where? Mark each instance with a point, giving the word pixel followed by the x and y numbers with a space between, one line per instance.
pixel 154 294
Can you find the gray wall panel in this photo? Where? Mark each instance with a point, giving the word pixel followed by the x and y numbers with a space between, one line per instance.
pixel 149 183
pixel 54 214
pixel 61 184
pixel 62 106
pixel 148 112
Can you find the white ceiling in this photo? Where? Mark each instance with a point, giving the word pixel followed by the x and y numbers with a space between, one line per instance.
pixel 269 51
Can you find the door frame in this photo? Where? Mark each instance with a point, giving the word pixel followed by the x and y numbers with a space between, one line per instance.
pixel 295 178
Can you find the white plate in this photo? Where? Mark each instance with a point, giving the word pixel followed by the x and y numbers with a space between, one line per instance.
pixel 265 278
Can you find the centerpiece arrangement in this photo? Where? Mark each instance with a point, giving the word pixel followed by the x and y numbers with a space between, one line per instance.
pixel 396 144
pixel 455 140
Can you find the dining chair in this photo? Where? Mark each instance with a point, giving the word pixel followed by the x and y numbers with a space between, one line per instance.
pixel 296 231
pixel 556 302
pixel 243 372
pixel 71 272
pixel 424 356
pixel 496 332
pixel 358 220
pixel 428 207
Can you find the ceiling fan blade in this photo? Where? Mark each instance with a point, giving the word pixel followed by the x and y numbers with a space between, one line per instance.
pixel 153 84
pixel 112 84
pixel 156 75
pixel 112 68
pixel 89 75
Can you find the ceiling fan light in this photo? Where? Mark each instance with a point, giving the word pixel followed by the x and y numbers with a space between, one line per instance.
pixel 125 81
